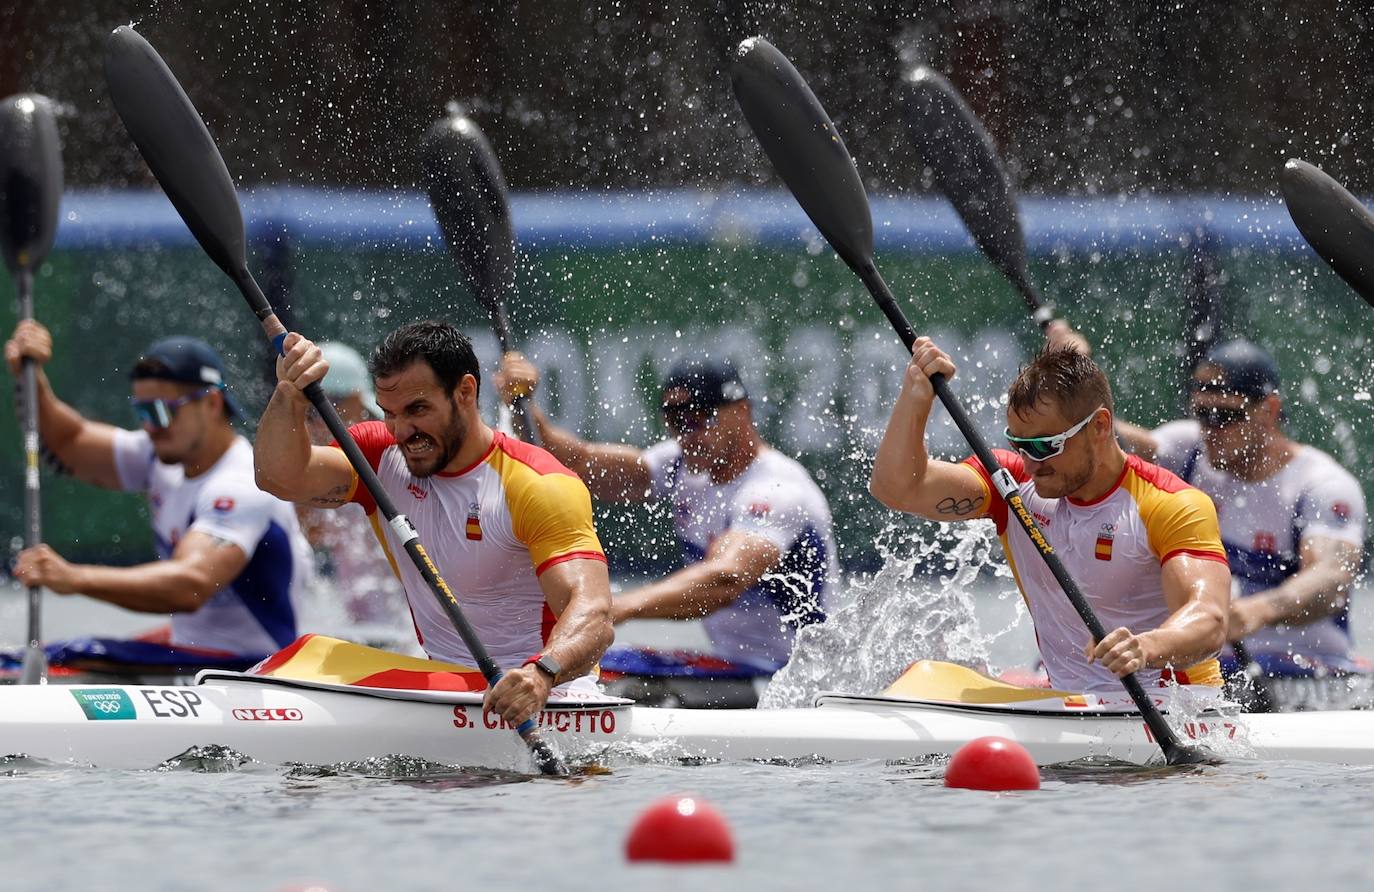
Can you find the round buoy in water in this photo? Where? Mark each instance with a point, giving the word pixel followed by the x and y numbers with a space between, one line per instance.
pixel 681 829
pixel 992 763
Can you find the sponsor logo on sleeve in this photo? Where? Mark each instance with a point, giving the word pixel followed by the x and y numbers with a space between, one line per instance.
pixel 1266 543
pixel 224 503
pixel 759 509
pixel 105 704
pixel 1341 512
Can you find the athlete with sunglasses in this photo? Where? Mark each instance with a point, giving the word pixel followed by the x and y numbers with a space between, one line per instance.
pixel 755 529
pixel 1141 544
pixel 1292 519
pixel 231 558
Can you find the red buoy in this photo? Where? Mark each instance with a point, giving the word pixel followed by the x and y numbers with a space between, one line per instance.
pixel 992 763
pixel 680 829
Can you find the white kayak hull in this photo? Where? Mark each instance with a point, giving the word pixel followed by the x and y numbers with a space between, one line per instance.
pixel 276 722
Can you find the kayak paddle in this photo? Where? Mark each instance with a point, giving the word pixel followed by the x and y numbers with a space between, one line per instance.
pixel 468 195
pixel 963 159
pixel 1334 222
pixel 30 189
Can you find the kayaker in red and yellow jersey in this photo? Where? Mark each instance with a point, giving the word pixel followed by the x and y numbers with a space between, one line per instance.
pixel 1142 545
pixel 509 528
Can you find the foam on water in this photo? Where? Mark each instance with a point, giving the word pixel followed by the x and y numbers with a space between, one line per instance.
pixel 902 613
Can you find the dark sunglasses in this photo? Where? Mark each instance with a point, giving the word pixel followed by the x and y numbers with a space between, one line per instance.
pixel 686 418
pixel 158 414
pixel 1214 417
pixel 1045 448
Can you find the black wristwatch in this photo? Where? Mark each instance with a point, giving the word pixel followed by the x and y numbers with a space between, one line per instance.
pixel 546 664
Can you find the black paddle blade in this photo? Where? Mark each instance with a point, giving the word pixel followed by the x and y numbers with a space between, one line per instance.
pixel 468 195
pixel 805 148
pixel 1180 755
pixel 963 159
pixel 177 146
pixel 1335 224
pixel 30 180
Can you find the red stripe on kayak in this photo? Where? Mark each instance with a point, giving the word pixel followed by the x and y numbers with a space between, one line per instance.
pixel 282 657
pixel 413 680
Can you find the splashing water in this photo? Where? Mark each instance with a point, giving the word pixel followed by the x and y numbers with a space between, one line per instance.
pixel 919 605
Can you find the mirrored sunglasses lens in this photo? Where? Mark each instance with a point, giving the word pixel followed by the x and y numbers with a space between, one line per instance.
pixel 1037 449
pixel 153 413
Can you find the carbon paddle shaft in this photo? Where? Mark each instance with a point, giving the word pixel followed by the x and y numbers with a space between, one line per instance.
pixel 35 666
pixel 521 416
pixel 182 155
pixel 30 191
pixel 1174 752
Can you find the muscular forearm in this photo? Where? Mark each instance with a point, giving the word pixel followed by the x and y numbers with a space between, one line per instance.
pixel 1194 633
pixel 899 468
pixel 281 452
pixel 158 587
pixel 1305 597
pixel 691 593
pixel 566 446
pixel 578 640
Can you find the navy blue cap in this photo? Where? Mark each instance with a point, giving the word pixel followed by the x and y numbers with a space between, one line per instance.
pixel 187 361
pixel 710 382
pixel 1239 367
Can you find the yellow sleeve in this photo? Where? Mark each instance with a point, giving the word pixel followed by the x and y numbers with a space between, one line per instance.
pixel 1182 522
pixel 552 515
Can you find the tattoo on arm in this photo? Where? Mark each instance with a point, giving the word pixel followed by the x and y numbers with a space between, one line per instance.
pixel 959 507
pixel 332 499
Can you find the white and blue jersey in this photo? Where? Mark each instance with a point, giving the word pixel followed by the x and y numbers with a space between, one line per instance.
pixel 256 612
pixel 1263 524
pixel 776 499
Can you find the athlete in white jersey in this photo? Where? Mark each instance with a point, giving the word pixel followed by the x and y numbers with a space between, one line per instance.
pixel 230 557
pixel 773 499
pixel 256 612
pixel 1292 519
pixel 1142 545
pixel 508 527
pixel 754 527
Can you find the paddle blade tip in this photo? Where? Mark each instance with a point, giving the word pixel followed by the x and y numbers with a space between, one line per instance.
pixel 1192 755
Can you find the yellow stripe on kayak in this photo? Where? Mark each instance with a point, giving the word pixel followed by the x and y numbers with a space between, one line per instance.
pixel 934 680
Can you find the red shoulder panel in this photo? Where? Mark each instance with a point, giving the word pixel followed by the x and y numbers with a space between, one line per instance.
pixel 373 439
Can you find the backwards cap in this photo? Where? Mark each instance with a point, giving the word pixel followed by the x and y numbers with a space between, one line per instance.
pixel 1239 367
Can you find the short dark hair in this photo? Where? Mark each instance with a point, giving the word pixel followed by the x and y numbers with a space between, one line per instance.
pixel 444 348
pixel 1065 376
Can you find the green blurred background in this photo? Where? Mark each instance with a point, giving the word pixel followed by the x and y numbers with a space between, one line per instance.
pixel 611 290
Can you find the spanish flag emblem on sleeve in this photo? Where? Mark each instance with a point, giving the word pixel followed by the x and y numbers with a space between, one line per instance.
pixel 473 528
pixel 1103 551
